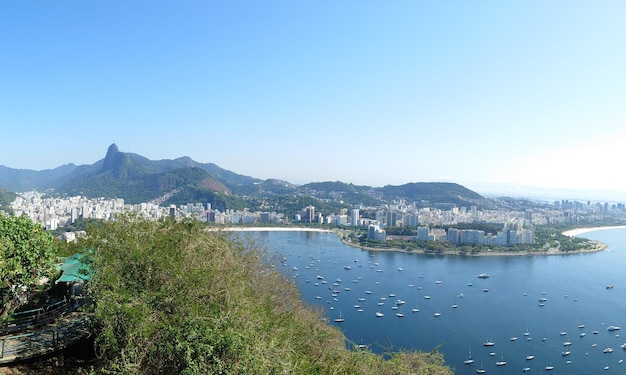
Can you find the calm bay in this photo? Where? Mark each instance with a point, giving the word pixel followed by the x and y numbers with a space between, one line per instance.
pixel 528 306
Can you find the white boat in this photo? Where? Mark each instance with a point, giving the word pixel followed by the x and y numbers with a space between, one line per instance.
pixel 483 276
pixel 415 309
pixel 526 369
pixel 400 302
pixel 549 368
pixel 530 357
pixel 608 350
pixel 623 346
pixel 567 343
pixel 501 362
pixel 469 359
pixel 566 353
pixel 437 314
pixel 379 314
pixel 426 297
pixel 514 338
pixel 340 319
pixel 612 328
pixel 400 315
pixel 488 343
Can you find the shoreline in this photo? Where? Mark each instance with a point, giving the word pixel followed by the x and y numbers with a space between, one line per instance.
pixel 552 251
pixel 272 229
pixel 579 231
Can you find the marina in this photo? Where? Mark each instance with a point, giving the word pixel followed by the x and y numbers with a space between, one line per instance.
pixel 504 328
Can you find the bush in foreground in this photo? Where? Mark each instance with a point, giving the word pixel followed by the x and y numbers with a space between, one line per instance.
pixel 172 297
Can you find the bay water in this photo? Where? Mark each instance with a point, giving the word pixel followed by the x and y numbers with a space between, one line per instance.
pixel 528 306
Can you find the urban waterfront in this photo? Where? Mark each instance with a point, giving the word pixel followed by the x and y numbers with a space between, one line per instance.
pixel 557 309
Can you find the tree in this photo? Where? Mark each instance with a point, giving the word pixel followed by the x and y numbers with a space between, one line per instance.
pixel 27 253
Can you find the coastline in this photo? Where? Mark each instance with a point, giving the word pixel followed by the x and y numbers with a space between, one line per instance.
pixel 579 231
pixel 552 251
pixel 271 229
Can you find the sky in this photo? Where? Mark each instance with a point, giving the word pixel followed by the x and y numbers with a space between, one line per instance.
pixel 489 93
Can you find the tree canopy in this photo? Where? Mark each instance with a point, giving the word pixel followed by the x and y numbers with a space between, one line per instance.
pixel 27 253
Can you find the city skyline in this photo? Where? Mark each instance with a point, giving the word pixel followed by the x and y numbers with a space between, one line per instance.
pixel 489 95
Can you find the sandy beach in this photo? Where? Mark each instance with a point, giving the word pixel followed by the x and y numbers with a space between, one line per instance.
pixel 571 232
pixel 579 231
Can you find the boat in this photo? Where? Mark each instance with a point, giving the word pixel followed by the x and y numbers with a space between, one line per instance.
pixel 526 369
pixel 501 362
pixel 610 286
pixel 379 314
pixel 481 369
pixel 400 302
pixel 437 314
pixel 608 350
pixel 567 343
pixel 530 357
pixel 549 368
pixel 582 334
pixel 483 276
pixel 340 319
pixel 581 326
pixel 400 315
pixel 563 333
pixel 485 290
pixel 347 268
pixel 623 346
pixel 426 297
pixel 415 309
pixel 612 328
pixel 488 343
pixel 438 282
pixel 514 338
pixel 566 353
pixel 469 359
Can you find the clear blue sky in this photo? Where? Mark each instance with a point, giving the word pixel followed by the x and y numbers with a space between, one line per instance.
pixel 530 92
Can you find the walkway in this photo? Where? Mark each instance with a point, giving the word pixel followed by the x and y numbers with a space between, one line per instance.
pixel 53 337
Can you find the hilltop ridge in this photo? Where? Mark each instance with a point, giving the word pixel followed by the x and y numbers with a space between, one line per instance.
pixel 137 179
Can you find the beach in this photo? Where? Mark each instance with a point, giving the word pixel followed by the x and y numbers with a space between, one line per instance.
pixel 552 251
pixel 579 231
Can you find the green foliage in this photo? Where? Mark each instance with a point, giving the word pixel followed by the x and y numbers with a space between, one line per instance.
pixel 174 298
pixel 6 198
pixel 434 193
pixel 27 253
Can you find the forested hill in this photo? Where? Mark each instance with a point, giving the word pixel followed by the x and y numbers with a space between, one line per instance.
pixel 138 179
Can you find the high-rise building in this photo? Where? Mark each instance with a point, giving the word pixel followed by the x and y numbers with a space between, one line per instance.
pixel 355 217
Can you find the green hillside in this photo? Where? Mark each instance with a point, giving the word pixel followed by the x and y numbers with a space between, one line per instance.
pixel 183 300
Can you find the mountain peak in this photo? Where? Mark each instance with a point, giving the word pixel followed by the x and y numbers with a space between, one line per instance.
pixel 110 160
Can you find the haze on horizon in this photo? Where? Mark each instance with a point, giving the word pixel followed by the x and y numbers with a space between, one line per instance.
pixel 522 93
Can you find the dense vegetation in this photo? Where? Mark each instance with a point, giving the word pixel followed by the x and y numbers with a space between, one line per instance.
pixel 172 297
pixel 27 253
pixel 6 198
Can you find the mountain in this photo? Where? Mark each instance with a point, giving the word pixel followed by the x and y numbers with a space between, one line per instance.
pixel 138 179
pixel 436 193
pixel 27 179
